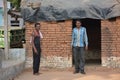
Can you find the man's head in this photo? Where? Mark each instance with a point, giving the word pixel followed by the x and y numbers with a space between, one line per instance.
pixel 37 26
pixel 78 23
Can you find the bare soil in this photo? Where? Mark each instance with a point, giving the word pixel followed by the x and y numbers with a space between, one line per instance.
pixel 92 73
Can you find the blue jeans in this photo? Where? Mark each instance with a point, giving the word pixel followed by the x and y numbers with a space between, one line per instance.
pixel 79 58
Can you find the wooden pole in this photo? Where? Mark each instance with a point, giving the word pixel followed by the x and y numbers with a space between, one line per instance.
pixel 6 30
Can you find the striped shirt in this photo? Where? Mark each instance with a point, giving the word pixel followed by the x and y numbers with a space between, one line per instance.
pixel 79 37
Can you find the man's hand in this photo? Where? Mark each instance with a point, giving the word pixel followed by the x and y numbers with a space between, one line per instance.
pixel 36 52
pixel 86 48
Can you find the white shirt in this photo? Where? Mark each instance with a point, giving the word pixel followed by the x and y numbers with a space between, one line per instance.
pixel 41 36
pixel 78 38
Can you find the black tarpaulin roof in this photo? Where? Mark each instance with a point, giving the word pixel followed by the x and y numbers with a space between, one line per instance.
pixel 52 10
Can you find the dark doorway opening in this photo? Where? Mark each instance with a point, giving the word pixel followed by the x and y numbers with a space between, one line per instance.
pixel 93 27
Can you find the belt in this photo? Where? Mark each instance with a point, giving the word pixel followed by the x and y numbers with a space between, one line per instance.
pixel 77 46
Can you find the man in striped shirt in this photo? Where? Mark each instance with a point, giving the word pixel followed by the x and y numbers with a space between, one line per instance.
pixel 79 43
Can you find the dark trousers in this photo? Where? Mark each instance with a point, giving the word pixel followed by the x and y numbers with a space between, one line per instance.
pixel 79 58
pixel 36 62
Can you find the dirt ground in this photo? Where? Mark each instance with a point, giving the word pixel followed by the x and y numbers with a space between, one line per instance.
pixel 92 73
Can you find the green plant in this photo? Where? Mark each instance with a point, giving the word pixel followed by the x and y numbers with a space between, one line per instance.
pixel 15 3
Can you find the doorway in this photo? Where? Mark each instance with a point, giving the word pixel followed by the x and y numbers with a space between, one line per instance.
pixel 93 27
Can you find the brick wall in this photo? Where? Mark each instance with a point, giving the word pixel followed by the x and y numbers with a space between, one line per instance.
pixel 111 43
pixel 56 49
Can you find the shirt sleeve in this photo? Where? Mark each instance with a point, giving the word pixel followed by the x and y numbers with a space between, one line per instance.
pixel 31 37
pixel 72 37
pixel 41 34
pixel 30 40
pixel 86 38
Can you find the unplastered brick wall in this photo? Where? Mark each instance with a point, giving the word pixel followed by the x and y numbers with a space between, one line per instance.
pixel 56 44
pixel 111 42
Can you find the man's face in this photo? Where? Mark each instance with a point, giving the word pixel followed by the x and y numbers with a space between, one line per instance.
pixel 38 27
pixel 78 24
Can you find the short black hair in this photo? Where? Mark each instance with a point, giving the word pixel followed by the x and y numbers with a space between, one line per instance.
pixel 79 21
pixel 37 24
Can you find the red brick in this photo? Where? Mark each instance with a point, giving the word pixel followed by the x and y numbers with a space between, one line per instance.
pixel 111 38
pixel 55 34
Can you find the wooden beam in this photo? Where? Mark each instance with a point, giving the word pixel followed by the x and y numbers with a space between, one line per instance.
pixel 6 30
